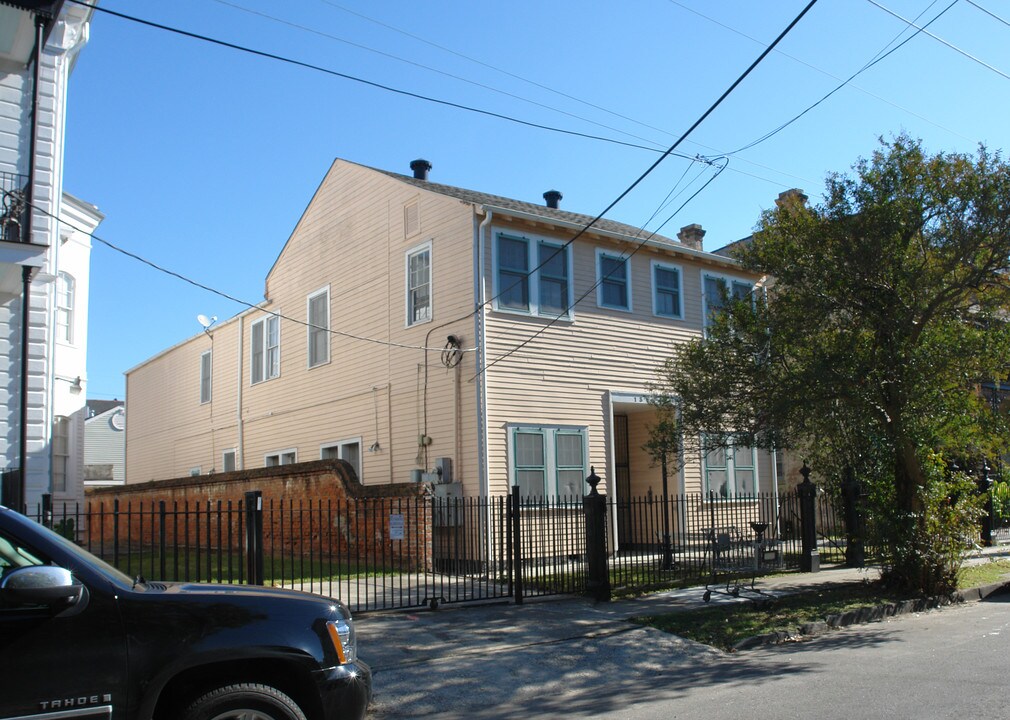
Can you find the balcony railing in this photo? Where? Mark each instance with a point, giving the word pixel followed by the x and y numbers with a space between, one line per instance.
pixel 13 207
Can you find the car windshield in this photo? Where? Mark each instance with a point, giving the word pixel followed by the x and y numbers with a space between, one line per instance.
pixel 15 554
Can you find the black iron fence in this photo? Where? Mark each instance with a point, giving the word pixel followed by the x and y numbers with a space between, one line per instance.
pixel 387 553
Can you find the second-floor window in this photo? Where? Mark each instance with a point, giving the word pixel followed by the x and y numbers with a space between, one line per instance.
pixel 205 377
pixel 319 327
pixel 532 276
pixel 419 285
pixel 666 291
pixel 266 348
pixel 613 273
pixel 65 297
pixel 719 290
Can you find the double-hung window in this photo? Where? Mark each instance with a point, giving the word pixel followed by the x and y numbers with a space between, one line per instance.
pixel 347 450
pixel 265 353
pixel 61 452
pixel 613 275
pixel 318 311
pixel 419 284
pixel 281 457
pixel 667 297
pixel 718 291
pixel 730 471
pixel 532 276
pixel 65 298
pixel 205 377
pixel 548 461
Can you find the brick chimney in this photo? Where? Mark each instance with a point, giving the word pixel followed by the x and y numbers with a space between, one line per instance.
pixel 691 236
pixel 794 196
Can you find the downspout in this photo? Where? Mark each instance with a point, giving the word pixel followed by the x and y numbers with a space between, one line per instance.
pixel 481 354
pixel 27 272
pixel 240 461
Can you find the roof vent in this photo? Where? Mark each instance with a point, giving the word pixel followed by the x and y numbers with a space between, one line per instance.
pixel 420 168
pixel 553 198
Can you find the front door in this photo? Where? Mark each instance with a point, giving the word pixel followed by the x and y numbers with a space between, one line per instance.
pixel 622 472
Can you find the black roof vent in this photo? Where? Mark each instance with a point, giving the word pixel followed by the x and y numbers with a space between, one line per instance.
pixel 420 168
pixel 553 198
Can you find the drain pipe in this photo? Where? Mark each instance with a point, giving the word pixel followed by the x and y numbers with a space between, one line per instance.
pixel 481 354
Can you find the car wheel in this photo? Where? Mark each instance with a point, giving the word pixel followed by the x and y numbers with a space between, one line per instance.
pixel 244 702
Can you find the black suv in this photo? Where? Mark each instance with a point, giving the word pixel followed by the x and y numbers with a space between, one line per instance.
pixel 79 639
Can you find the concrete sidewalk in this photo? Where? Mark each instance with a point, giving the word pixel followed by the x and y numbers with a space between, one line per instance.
pixel 433 662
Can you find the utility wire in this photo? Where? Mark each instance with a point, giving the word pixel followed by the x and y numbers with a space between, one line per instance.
pixel 876 59
pixel 939 39
pixel 697 122
pixel 988 12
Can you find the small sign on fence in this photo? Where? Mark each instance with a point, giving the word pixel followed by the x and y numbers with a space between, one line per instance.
pixel 396 526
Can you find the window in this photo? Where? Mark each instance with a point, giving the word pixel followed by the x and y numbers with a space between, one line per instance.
pixel 266 348
pixel 730 472
pixel 61 452
pixel 319 327
pixel 667 300
pixel 228 461
pixel 718 291
pixel 548 461
pixel 205 377
pixel 282 457
pixel 419 285
pixel 613 273
pixel 194 471
pixel 347 450
pixel 532 276
pixel 65 292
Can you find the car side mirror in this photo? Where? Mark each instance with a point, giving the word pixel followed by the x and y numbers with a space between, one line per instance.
pixel 40 585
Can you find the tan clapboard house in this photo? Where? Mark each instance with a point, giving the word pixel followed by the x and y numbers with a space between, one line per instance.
pixel 427 332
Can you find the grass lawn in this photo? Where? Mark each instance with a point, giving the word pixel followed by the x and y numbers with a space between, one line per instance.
pixel 724 625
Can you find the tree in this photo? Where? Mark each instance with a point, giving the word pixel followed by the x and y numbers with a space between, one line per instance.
pixel 881 313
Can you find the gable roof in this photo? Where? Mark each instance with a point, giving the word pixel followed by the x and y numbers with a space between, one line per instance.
pixel 97 407
pixel 526 208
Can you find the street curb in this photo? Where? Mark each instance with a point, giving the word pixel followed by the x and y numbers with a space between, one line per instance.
pixel 869 614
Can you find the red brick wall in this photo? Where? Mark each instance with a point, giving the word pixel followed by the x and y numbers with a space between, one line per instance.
pixel 314 509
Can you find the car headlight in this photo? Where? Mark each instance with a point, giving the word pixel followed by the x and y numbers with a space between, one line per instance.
pixel 342 636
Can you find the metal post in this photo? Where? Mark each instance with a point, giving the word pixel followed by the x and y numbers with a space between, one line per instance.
pixel 667 547
pixel 855 555
pixel 810 561
pixel 595 506
pixel 985 487
pixel 254 536
pixel 517 553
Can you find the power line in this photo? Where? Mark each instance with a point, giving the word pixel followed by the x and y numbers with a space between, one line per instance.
pixel 876 59
pixel 939 39
pixel 988 12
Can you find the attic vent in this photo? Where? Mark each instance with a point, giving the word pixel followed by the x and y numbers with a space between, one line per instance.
pixel 411 219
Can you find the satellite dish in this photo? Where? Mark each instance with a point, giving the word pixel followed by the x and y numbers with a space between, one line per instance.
pixel 206 321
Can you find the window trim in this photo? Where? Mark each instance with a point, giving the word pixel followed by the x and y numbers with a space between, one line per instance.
pixel 279 454
pixel 340 444
pixel 734 496
pixel 600 279
pixel 207 380
pixel 408 295
pixel 311 329
pixel 265 323
pixel 549 433
pixel 661 265
pixel 532 274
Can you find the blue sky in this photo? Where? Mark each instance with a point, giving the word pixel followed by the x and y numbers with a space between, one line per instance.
pixel 203 158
